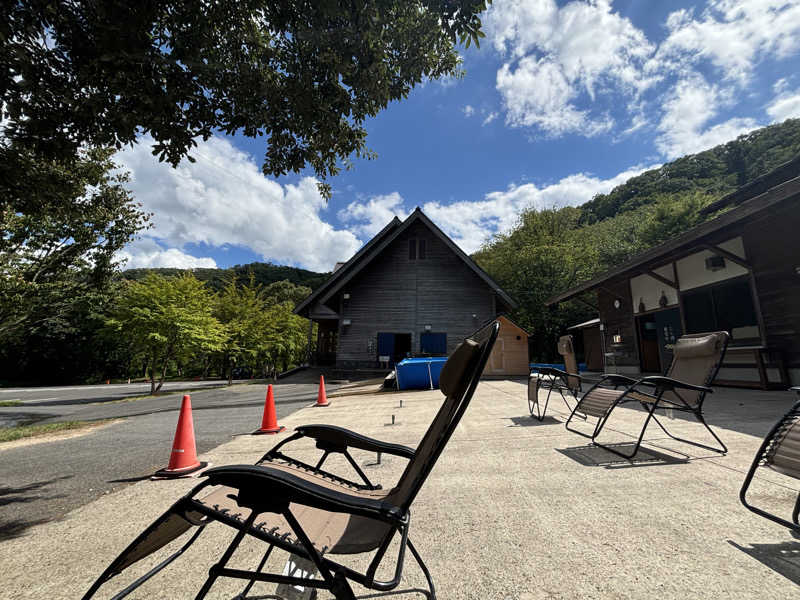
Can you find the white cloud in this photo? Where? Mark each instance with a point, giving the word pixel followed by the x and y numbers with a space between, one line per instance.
pixel 468 111
pixel 688 109
pixel 734 35
pixel 786 105
pixel 489 118
pixel 470 223
pixel 582 68
pixel 558 55
pixel 147 254
pixel 224 199
pixel 368 218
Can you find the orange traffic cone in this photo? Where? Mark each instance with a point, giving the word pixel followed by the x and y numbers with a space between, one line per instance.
pixel 183 459
pixel 322 399
pixel 269 422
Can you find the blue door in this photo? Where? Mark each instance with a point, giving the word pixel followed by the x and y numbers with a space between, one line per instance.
pixel 433 343
pixel 386 345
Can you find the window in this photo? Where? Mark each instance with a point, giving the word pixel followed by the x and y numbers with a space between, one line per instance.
pixel 416 249
pixel 727 307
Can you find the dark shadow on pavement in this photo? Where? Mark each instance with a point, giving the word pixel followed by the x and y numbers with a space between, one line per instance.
pixel 24 494
pixel 529 421
pixel 595 456
pixel 783 557
pixel 415 591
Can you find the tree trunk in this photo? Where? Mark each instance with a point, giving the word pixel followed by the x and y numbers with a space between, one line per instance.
pixel 152 370
pixel 163 376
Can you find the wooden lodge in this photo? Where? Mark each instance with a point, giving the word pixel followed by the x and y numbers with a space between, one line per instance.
pixel 408 291
pixel 739 272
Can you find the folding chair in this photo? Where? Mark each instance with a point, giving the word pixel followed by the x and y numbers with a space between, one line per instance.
pixel 696 361
pixel 780 451
pixel 550 378
pixel 312 513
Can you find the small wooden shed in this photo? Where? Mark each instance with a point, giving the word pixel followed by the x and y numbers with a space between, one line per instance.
pixel 510 353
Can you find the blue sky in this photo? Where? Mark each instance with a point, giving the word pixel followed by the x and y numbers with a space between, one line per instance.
pixel 564 100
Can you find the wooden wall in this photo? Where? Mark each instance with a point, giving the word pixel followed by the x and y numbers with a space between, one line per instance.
pixel 397 295
pixel 510 354
pixel 618 321
pixel 772 245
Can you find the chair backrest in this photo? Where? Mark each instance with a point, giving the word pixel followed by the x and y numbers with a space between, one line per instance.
pixel 458 380
pixel 696 360
pixel 566 348
pixel 783 451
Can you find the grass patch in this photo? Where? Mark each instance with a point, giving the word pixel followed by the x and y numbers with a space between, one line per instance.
pixel 9 434
pixel 10 403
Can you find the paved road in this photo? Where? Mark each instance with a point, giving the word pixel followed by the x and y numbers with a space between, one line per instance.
pixel 85 403
pixel 46 480
pixel 95 393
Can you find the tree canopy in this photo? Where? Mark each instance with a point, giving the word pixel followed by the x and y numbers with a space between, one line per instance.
pixel 164 320
pixel 263 273
pixel 303 75
pixel 715 172
pixel 552 250
pixel 61 226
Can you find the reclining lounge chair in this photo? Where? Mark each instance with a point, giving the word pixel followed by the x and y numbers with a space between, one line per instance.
pixel 780 452
pixel 696 360
pixel 550 378
pixel 312 513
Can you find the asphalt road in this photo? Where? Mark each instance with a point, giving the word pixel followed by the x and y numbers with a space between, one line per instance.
pixel 90 403
pixel 46 480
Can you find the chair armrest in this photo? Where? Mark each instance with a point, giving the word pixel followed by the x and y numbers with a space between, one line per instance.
pixel 618 379
pixel 555 372
pixel 332 438
pixel 264 489
pixel 669 383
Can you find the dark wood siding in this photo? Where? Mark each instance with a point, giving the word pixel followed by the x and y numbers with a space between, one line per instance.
pixel 772 245
pixel 618 321
pixel 398 295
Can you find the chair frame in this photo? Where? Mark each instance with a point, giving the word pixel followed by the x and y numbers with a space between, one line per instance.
pixel 657 384
pixel 550 378
pixel 760 461
pixel 262 490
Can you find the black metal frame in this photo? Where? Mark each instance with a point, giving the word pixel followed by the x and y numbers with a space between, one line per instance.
pixel 658 384
pixel 762 460
pixel 550 378
pixel 263 490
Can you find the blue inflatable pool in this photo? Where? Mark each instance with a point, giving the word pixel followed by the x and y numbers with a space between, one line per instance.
pixel 419 373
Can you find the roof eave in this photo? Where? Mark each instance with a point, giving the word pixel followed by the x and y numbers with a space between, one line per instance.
pixel 676 248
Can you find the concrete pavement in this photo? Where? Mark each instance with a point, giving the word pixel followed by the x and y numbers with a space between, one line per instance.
pixel 43 481
pixel 514 509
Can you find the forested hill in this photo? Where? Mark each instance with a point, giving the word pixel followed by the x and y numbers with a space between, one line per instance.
pixel 714 172
pixel 552 250
pixel 264 273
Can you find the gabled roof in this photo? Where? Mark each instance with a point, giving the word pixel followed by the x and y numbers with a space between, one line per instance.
pixel 688 242
pixel 514 323
pixel 759 185
pixel 380 242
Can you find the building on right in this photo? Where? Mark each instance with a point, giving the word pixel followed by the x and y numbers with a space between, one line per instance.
pixel 739 272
